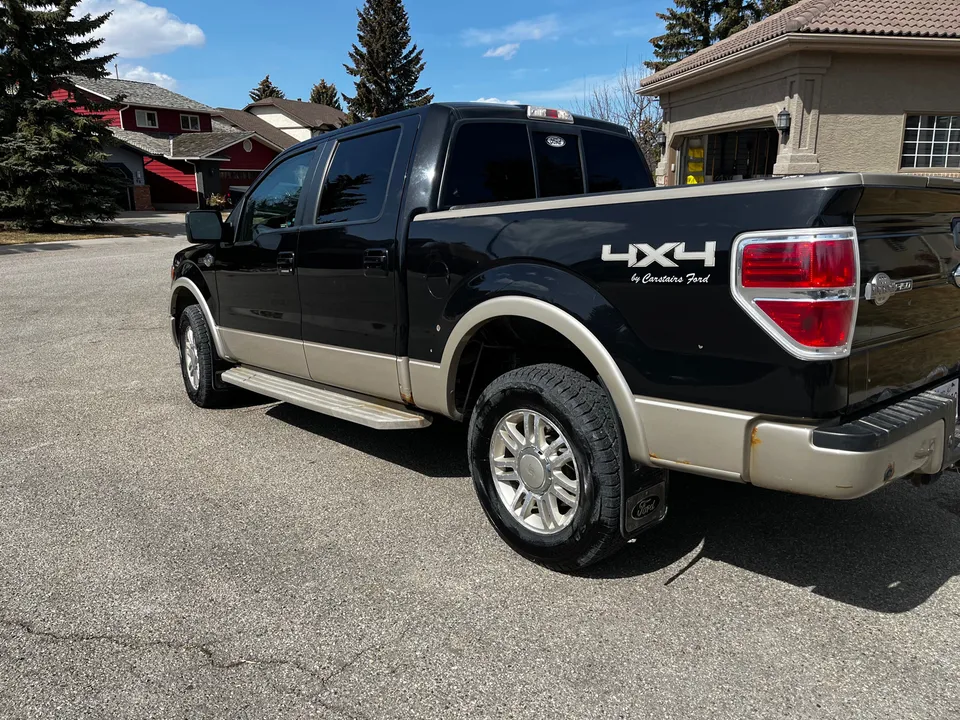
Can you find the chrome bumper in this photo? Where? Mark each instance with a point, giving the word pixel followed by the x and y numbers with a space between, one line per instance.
pixel 839 462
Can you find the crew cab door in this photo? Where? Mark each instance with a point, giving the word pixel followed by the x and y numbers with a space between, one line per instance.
pixel 349 259
pixel 257 272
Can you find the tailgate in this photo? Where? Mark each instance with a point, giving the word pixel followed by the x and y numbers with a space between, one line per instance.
pixel 912 339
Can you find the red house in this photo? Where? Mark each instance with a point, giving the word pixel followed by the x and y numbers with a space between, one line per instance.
pixel 173 151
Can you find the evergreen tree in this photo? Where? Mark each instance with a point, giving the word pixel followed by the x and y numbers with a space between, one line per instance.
pixel 326 94
pixel 386 66
pixel 51 158
pixel 266 89
pixel 689 28
pixel 737 15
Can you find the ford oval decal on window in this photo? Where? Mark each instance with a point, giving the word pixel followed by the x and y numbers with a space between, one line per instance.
pixel 556 141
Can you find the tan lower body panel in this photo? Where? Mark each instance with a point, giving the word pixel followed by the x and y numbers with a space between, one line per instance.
pixel 429 386
pixel 743 447
pixel 279 354
pixel 365 372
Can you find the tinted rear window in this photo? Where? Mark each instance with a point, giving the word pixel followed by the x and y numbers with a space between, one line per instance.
pixel 356 185
pixel 558 164
pixel 490 162
pixel 613 163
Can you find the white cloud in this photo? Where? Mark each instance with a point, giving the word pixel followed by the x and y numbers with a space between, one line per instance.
pixel 497 101
pixel 542 28
pixel 141 74
pixel 136 29
pixel 569 92
pixel 504 51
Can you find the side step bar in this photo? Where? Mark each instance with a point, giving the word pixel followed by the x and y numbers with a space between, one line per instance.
pixel 343 404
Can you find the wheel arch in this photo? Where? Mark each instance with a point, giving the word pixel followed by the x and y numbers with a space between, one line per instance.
pixel 440 389
pixel 184 292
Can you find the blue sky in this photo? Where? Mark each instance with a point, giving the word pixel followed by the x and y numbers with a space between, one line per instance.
pixel 548 52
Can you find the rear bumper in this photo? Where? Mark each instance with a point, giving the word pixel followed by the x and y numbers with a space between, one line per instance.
pixel 840 462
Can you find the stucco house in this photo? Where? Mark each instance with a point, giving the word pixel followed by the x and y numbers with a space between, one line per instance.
pixel 824 86
pixel 300 120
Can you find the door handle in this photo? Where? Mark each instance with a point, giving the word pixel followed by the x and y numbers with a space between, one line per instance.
pixel 376 262
pixel 286 262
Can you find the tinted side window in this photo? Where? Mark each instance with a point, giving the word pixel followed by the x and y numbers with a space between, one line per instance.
pixel 558 164
pixel 613 163
pixel 273 203
pixel 356 186
pixel 490 162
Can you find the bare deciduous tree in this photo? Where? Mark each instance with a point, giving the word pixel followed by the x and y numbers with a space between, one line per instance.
pixel 618 102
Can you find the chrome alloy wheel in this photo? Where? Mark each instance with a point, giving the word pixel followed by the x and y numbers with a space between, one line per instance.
pixel 534 471
pixel 192 358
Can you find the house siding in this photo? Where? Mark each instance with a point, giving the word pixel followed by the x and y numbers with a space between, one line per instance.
pixel 168 121
pixel 61 95
pixel 171 181
pixel 257 159
pixel 282 121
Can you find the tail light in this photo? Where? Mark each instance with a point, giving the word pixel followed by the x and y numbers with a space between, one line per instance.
pixel 801 287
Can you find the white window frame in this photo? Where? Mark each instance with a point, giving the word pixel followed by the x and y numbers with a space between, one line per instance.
pixel 143 119
pixel 920 154
pixel 190 120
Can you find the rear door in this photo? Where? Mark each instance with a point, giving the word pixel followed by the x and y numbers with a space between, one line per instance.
pixel 348 261
pixel 256 273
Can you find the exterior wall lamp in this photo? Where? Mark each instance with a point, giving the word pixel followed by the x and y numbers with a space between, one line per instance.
pixel 12 88
pixel 783 122
pixel 661 140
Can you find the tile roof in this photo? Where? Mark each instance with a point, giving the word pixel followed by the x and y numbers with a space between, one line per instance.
pixel 311 115
pixel 252 123
pixel 138 93
pixel 189 145
pixel 892 18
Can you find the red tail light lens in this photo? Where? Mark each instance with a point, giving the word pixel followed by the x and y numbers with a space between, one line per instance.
pixel 801 287
pixel 812 323
pixel 804 264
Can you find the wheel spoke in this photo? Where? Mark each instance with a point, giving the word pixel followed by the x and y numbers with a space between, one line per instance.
pixel 505 463
pixel 511 437
pixel 517 498
pixel 563 459
pixel 527 507
pixel 548 511
pixel 550 450
pixel 562 481
pixel 566 497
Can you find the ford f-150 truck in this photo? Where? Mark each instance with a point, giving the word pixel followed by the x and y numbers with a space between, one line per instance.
pixel 514 268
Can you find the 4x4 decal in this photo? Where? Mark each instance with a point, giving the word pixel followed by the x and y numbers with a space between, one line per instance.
pixel 659 255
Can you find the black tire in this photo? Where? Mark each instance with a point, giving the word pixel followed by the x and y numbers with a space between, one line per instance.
pixel 203 394
pixel 582 411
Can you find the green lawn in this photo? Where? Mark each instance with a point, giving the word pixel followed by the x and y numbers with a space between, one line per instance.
pixel 63 233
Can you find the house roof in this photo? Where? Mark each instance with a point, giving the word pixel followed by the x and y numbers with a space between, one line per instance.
pixel 890 18
pixel 191 145
pixel 311 115
pixel 250 122
pixel 138 93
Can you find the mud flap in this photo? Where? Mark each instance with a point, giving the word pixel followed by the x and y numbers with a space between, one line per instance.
pixel 643 500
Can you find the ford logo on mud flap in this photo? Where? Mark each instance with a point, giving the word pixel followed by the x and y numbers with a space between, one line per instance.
pixel 645 507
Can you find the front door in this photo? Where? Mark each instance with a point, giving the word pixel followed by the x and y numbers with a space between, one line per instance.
pixel 348 261
pixel 256 273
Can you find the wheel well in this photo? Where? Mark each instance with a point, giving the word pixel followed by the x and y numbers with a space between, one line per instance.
pixel 184 298
pixel 507 343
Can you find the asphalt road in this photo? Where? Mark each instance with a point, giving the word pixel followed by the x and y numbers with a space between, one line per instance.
pixel 157 560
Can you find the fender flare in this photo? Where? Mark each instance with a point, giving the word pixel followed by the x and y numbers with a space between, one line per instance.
pixel 568 326
pixel 186 285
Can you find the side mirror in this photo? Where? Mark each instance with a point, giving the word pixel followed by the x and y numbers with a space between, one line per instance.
pixel 204 226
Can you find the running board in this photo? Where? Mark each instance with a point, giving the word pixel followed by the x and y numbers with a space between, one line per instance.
pixel 343 404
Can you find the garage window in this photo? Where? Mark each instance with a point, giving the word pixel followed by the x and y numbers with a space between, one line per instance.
pixel 931 141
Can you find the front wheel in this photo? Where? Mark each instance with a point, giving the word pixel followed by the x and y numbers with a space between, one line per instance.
pixel 546 459
pixel 197 358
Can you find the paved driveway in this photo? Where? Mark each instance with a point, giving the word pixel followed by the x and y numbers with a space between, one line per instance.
pixel 157 560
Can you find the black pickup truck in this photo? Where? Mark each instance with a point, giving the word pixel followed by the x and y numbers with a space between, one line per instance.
pixel 515 268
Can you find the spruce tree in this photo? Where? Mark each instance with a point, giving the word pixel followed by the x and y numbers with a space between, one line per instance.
pixel 689 28
pixel 737 15
pixel 385 64
pixel 324 93
pixel 51 158
pixel 266 89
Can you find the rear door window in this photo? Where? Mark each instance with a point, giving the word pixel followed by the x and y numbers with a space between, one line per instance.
pixel 356 185
pixel 559 170
pixel 490 162
pixel 613 163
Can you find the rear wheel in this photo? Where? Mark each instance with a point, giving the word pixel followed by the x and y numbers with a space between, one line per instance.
pixel 197 359
pixel 545 454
